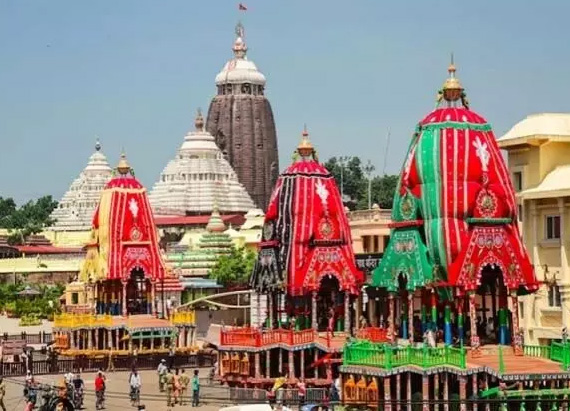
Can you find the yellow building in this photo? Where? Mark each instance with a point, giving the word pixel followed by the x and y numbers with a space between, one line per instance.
pixel 369 228
pixel 539 163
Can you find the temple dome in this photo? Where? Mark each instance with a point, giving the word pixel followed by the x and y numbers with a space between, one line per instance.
pixel 198 177
pixel 75 210
pixel 239 69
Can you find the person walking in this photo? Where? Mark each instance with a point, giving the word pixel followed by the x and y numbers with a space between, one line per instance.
pixel 100 391
pixel 184 381
pixel 195 389
pixel 135 383
pixel 2 393
pixel 176 386
pixel 169 385
pixel 110 363
pixel 161 371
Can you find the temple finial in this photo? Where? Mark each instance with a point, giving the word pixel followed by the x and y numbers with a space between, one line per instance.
pixel 97 144
pixel 240 48
pixel 451 67
pixel 123 167
pixel 199 122
pixel 305 148
pixel 452 90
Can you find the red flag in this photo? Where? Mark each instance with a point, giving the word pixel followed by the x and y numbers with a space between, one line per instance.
pixel 242 7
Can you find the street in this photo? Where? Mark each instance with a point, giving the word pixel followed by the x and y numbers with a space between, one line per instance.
pixel 117 396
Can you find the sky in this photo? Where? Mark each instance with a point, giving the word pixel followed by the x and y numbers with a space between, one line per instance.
pixel 133 73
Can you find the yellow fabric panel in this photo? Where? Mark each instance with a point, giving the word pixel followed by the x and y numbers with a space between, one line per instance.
pixel 91 266
pixel 104 231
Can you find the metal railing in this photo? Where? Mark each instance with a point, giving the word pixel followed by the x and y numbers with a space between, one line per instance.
pixel 86 364
pixel 362 352
pixel 37 338
pixel 254 337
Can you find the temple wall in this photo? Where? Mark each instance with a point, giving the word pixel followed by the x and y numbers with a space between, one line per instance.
pixel 46 278
pixel 68 238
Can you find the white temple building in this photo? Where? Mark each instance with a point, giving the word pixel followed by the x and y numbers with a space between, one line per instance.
pixel 76 209
pixel 198 177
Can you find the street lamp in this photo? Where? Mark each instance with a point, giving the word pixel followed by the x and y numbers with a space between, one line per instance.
pixel 342 161
pixel 368 170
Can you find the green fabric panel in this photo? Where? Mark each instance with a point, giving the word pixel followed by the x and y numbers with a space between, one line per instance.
pixel 396 215
pixel 457 126
pixel 406 254
pixel 429 163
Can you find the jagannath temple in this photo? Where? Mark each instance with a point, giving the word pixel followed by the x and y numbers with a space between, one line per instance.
pixel 306 273
pixel 241 119
pixel 445 295
pixel 117 303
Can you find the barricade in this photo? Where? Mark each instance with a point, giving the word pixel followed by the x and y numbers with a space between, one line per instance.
pixel 247 394
pixel 87 364
pixel 316 395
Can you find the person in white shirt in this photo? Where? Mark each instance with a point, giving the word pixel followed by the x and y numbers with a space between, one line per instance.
pixel 161 370
pixel 135 383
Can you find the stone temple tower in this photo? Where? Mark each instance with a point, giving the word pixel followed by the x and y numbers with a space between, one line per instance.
pixel 241 120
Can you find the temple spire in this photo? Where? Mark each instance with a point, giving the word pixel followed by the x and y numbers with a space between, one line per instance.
pixel 452 90
pixel 240 48
pixel 305 148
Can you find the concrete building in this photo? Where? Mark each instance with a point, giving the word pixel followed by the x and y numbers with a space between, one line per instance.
pixel 538 152
pixel 370 230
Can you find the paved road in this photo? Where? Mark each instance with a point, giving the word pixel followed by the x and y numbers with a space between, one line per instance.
pixel 118 389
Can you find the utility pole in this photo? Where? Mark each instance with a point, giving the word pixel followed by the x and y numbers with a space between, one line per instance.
pixel 342 161
pixel 368 170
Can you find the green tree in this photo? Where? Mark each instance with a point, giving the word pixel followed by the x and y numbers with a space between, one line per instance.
pixel 235 268
pixel 383 189
pixel 31 218
pixel 355 184
pixel 350 178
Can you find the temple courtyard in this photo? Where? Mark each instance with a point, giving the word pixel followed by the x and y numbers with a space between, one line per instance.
pixel 212 397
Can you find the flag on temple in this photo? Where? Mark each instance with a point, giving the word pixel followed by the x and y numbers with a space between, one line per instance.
pixel 242 7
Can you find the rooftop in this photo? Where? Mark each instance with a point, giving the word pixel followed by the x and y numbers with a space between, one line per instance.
pixel 555 184
pixel 547 126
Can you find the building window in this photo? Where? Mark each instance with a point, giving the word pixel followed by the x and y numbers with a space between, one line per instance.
pixel 521 309
pixel 74 298
pixel 376 243
pixel 520 212
pixel 517 180
pixel 553 227
pixel 366 243
pixel 554 296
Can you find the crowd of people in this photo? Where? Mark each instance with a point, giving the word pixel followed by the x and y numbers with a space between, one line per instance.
pixel 175 384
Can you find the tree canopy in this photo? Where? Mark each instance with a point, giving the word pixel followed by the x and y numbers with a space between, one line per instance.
pixel 30 218
pixel 354 184
pixel 235 268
